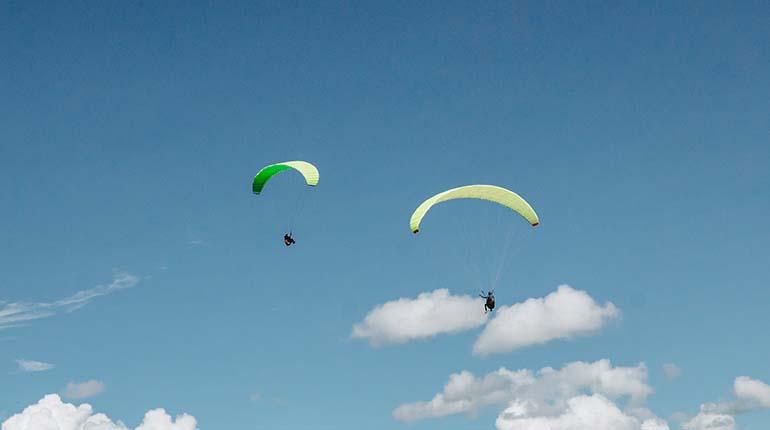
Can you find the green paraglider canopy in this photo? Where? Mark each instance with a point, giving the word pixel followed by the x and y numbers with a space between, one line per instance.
pixel 308 171
pixel 491 193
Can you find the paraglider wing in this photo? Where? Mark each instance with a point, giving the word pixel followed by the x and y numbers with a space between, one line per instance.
pixel 308 171
pixel 491 193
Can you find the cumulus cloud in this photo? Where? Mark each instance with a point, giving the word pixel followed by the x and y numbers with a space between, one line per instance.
pixel 428 315
pixel 710 421
pixel 671 370
pixel 159 419
pixel 594 412
pixel 535 394
pixel 563 314
pixel 750 395
pixel 82 390
pixel 752 391
pixel 579 396
pixel 19 313
pixel 34 366
pixel 654 424
pixel 50 413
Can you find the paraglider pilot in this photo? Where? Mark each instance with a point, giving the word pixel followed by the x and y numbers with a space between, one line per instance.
pixel 490 297
pixel 288 240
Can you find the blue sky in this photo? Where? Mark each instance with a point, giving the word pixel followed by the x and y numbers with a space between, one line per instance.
pixel 129 134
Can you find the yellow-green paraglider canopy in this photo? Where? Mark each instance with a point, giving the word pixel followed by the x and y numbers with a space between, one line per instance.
pixel 491 193
pixel 308 171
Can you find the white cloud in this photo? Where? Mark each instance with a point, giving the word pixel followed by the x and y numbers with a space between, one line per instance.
pixel 671 370
pixel 654 424
pixel 579 396
pixel 594 412
pixel 158 419
pixel 750 395
pixel 563 314
pixel 428 315
pixel 15 314
pixel 33 366
pixel 82 390
pixel 50 413
pixel 542 393
pixel 710 421
pixel 750 390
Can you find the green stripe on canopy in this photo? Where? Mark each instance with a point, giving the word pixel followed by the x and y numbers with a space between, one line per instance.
pixel 491 193
pixel 308 171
